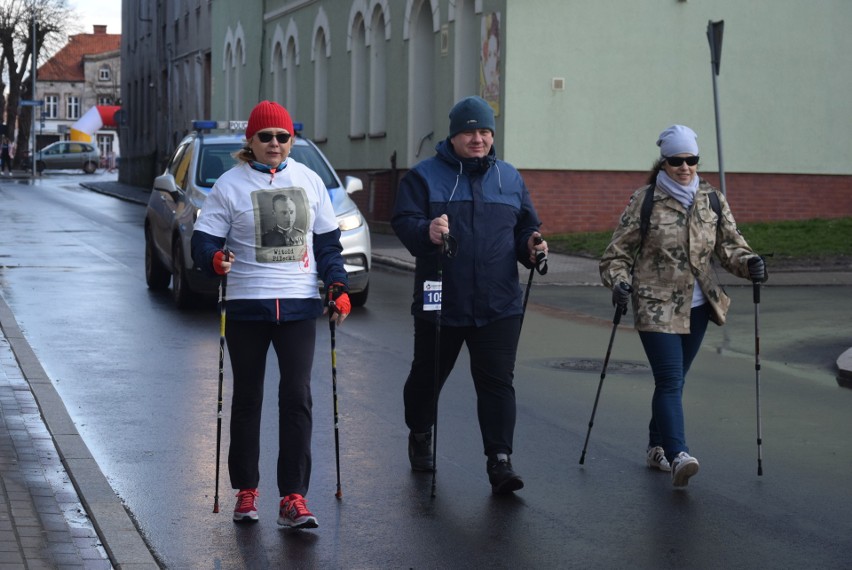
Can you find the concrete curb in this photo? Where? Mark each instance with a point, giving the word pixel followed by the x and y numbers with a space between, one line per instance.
pixel 121 539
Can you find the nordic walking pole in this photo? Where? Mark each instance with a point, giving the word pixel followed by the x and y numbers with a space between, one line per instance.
pixel 445 247
pixel 619 310
pixel 756 290
pixel 331 309
pixel 223 284
pixel 541 267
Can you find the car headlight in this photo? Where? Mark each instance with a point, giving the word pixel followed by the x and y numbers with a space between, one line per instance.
pixel 349 222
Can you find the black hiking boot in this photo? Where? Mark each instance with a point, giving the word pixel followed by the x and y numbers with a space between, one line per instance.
pixel 503 479
pixel 420 451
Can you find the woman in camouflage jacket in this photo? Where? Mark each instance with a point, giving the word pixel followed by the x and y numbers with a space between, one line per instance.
pixel 674 290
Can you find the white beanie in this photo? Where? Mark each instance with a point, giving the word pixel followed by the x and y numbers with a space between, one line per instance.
pixel 678 139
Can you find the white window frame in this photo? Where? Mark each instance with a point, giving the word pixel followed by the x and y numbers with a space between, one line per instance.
pixel 72 107
pixel 51 106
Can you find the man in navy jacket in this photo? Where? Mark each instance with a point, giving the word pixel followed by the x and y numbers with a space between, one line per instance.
pixel 468 219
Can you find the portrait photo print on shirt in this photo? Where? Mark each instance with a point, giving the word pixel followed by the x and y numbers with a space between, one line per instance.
pixel 281 224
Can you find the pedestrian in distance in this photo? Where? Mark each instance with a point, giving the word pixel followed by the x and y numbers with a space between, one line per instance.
pixel 5 157
pixel 468 219
pixel 272 298
pixel 666 270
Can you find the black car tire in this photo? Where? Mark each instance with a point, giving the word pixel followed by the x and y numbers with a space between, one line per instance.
pixel 90 167
pixel 181 293
pixel 157 275
pixel 40 166
pixel 360 299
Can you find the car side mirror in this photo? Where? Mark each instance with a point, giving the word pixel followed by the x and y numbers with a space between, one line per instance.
pixel 352 184
pixel 166 183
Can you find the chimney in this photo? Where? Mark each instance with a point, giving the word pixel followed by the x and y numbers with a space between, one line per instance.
pixel 100 29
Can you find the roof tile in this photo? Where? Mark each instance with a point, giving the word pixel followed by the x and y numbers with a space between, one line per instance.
pixel 67 63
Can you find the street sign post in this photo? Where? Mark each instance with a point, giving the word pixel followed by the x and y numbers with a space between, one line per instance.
pixel 714 36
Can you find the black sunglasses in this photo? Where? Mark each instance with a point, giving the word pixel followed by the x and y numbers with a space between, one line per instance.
pixel 678 160
pixel 282 138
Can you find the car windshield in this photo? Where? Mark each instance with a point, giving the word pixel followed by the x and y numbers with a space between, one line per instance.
pixel 215 159
pixel 312 159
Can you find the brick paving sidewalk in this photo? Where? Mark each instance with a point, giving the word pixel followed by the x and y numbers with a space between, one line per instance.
pixel 42 522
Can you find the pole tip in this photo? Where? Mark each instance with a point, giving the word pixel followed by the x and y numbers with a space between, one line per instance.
pixel 216 507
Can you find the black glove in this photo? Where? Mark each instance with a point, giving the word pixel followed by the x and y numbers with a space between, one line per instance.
pixel 757 269
pixel 621 295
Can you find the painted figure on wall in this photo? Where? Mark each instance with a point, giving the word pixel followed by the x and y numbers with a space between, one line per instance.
pixel 489 80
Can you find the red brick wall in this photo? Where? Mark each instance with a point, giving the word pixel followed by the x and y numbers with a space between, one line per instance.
pixel 586 201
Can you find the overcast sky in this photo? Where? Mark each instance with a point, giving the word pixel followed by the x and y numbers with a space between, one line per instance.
pixel 93 12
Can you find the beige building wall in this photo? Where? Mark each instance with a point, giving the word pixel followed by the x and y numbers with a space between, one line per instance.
pixel 631 68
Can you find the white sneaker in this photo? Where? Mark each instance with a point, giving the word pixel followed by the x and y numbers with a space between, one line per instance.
pixel 683 467
pixel 657 459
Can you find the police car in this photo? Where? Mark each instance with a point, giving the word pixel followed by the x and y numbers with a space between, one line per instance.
pixel 179 193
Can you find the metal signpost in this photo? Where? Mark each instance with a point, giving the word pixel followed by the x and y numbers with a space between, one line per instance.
pixel 714 36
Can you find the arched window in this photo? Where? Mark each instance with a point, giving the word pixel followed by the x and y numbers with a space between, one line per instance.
pixel 466 49
pixel 421 29
pixel 358 104
pixel 320 54
pixel 290 62
pixel 277 72
pixel 378 72
pixel 232 63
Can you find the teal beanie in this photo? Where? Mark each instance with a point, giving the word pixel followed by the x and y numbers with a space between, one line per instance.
pixel 469 114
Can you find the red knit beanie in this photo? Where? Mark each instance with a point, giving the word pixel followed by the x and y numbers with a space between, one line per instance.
pixel 268 114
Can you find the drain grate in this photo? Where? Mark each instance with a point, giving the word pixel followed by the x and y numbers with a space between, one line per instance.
pixel 596 365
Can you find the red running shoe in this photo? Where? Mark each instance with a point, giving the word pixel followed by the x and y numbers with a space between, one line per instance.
pixel 294 513
pixel 246 508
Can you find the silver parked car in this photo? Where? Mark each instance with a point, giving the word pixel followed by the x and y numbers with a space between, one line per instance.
pixel 68 155
pixel 179 194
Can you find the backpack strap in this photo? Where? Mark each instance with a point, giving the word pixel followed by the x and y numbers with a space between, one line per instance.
pixel 717 207
pixel 645 213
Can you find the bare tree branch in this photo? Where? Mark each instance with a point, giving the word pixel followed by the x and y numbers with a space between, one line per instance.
pixel 54 19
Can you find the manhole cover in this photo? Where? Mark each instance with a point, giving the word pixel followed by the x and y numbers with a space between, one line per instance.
pixel 596 365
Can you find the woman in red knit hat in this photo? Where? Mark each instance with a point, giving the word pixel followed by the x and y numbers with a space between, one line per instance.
pixel 272 298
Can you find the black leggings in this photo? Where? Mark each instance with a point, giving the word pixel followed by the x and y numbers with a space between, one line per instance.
pixel 248 345
pixel 492 349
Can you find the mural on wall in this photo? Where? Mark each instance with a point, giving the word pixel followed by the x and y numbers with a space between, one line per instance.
pixel 489 64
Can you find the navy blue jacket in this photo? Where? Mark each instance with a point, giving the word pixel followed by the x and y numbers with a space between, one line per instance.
pixel 491 218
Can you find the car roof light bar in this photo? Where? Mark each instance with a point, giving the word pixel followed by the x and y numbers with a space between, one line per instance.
pixel 208 125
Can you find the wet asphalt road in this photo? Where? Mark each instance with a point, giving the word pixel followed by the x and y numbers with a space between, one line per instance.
pixel 139 379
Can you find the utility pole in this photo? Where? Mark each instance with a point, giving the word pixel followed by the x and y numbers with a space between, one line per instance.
pixel 32 109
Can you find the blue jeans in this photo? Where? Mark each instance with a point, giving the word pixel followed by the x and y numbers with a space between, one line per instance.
pixel 670 356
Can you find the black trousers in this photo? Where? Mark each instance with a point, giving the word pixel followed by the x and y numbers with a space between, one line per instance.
pixel 492 350
pixel 248 345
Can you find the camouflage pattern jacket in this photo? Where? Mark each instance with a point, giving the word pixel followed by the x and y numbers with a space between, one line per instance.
pixel 676 253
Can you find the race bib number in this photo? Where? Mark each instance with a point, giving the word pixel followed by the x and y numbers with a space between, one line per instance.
pixel 431 295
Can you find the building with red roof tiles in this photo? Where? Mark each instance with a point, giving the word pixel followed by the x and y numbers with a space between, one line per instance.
pixel 86 72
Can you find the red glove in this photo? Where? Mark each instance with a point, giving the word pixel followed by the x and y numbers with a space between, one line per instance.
pixel 338 299
pixel 219 258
